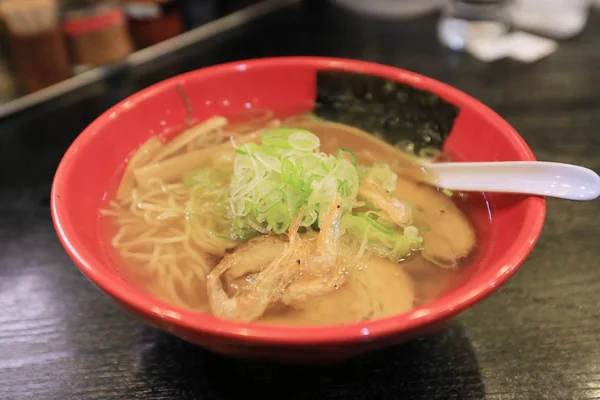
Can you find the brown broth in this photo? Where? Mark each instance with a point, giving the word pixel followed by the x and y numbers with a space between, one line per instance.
pixel 411 283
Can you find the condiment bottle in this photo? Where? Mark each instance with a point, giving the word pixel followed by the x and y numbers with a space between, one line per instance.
pixel 196 13
pixel 153 21
pixel 97 32
pixel 36 42
pixel 8 86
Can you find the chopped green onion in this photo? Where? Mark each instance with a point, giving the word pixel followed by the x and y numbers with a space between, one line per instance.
pixel 222 236
pixel 344 188
pixel 270 201
pixel 375 225
pixel 277 137
pixel 343 152
pixel 298 139
pixel 304 141
pixel 380 240
pixel 291 173
pixel 279 219
pixel 383 175
pixel 271 181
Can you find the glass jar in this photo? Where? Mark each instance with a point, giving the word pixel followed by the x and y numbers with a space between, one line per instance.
pixel 36 43
pixel 392 9
pixel 464 23
pixel 96 31
pixel 153 21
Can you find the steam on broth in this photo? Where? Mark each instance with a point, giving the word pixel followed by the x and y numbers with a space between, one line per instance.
pixel 294 221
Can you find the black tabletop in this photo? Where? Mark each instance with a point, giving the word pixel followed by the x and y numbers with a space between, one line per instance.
pixel 538 337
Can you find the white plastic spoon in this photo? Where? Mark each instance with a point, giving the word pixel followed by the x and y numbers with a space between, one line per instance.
pixel 528 177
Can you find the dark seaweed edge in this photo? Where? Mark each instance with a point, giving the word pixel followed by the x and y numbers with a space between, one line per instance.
pixel 395 111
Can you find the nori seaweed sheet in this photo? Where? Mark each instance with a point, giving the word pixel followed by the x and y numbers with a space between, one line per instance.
pixel 378 105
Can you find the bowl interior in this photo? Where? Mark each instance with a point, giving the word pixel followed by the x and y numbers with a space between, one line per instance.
pixel 286 86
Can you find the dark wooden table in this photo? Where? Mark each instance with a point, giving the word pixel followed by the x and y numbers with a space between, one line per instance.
pixel 538 337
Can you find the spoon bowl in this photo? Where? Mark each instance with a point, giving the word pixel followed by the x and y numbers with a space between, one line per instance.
pixel 547 179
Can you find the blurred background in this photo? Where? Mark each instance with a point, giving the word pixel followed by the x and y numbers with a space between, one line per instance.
pixel 47 42
pixel 63 63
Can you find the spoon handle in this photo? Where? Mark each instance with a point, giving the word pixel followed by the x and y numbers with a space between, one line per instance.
pixel 528 177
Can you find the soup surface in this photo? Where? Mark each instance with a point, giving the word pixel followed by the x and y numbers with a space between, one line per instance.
pixel 297 222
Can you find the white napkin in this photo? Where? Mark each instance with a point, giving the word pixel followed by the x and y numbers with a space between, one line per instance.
pixel 558 19
pixel 520 46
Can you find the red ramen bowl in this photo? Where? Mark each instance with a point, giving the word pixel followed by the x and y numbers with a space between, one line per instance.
pixel 89 166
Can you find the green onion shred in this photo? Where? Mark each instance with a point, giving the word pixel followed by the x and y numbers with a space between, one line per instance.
pixel 273 180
